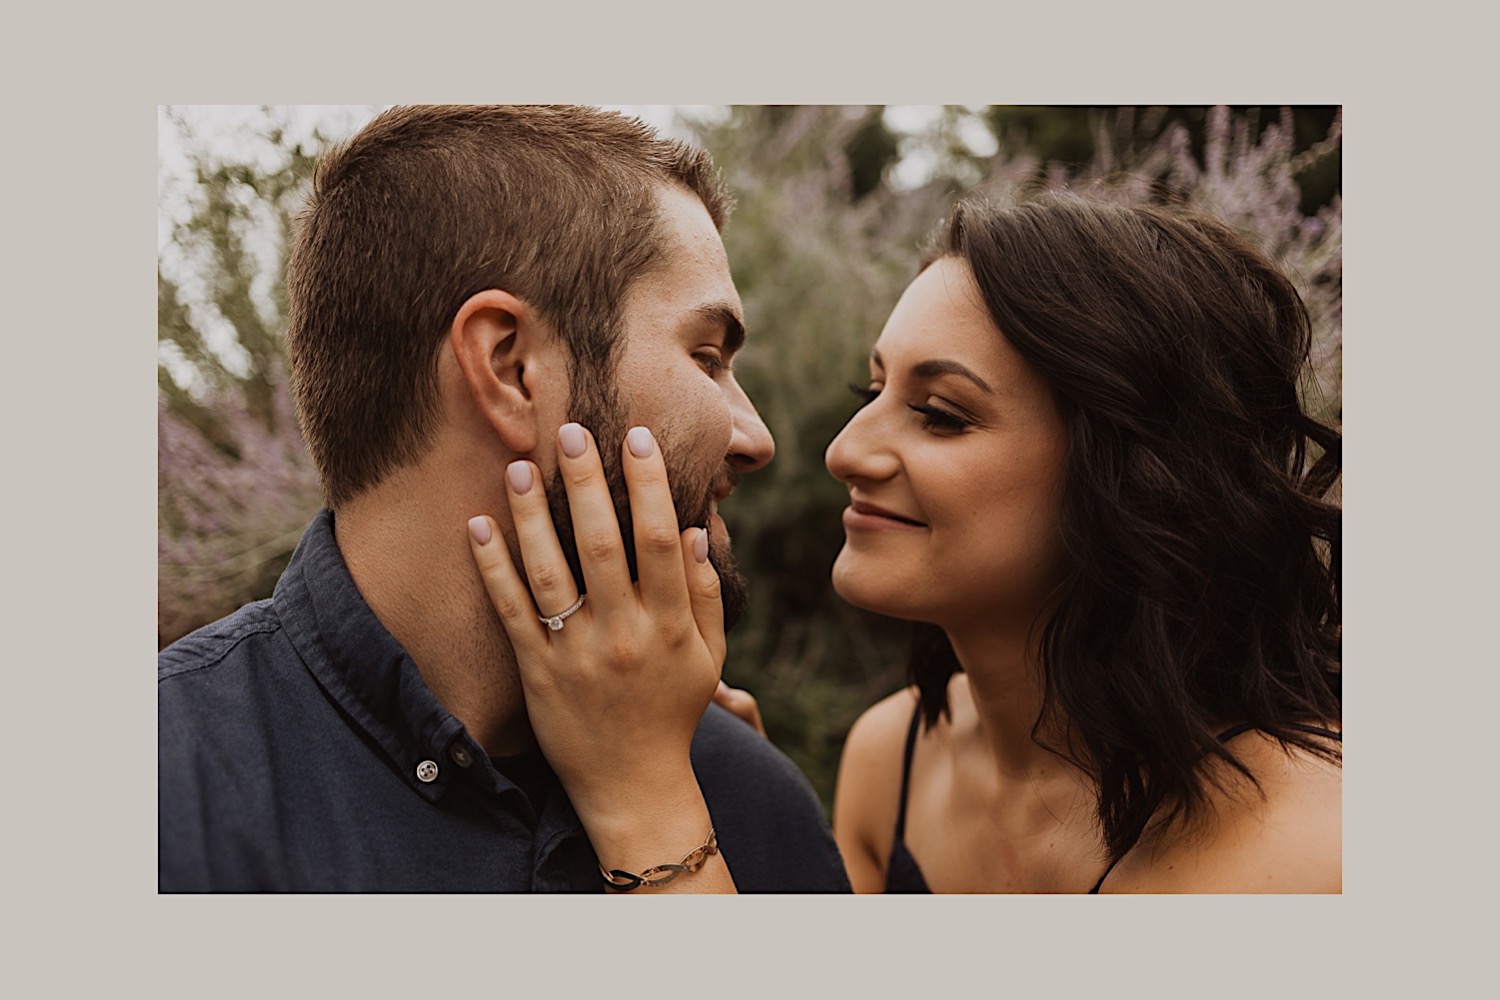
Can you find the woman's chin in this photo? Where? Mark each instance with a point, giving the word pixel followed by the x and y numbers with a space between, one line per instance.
pixel 866 590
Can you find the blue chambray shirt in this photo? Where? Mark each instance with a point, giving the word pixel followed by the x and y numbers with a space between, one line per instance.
pixel 300 750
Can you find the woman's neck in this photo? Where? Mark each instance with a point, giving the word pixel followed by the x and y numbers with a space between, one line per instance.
pixel 1003 681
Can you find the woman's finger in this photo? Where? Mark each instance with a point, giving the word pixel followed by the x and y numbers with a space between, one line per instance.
pixel 553 589
pixel 658 543
pixel 741 703
pixel 703 592
pixel 596 530
pixel 508 592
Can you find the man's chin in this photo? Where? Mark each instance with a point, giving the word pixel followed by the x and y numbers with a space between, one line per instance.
pixel 734 589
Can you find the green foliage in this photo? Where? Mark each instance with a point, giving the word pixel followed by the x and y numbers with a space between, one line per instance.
pixel 1078 136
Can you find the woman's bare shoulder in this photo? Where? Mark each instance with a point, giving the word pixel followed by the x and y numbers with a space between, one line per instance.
pixel 871 762
pixel 867 796
pixel 1285 837
pixel 883 723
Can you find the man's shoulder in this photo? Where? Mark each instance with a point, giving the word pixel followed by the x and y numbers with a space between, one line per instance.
pixel 769 820
pixel 724 740
pixel 211 644
pixel 737 764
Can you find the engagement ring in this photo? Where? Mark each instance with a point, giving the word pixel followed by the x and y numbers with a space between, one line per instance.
pixel 555 623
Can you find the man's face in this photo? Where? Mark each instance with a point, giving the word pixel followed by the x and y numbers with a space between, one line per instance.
pixel 681 328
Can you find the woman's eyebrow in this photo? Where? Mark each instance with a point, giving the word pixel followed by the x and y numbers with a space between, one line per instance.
pixel 942 366
pixel 934 367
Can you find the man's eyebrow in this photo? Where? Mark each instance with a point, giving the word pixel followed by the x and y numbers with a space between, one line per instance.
pixel 726 317
pixel 938 366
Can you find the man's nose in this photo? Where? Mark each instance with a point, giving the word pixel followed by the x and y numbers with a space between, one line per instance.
pixel 751 447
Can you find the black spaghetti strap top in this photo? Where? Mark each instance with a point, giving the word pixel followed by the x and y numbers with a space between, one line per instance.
pixel 902 873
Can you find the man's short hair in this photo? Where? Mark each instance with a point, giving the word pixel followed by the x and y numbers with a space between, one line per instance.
pixel 427 206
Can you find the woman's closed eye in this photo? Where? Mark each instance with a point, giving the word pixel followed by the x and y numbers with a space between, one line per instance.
pixel 934 418
pixel 865 394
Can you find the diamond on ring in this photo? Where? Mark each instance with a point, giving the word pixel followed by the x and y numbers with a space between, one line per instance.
pixel 555 622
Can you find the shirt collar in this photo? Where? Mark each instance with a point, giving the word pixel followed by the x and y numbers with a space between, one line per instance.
pixel 367 672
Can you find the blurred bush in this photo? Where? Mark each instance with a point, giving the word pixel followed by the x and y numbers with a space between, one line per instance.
pixel 827 233
pixel 235 485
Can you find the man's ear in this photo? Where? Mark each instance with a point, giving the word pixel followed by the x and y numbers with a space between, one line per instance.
pixel 501 349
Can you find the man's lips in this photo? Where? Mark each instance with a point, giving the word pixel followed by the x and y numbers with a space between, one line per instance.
pixel 860 514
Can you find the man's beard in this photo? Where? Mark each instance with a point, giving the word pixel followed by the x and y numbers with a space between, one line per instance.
pixel 691 498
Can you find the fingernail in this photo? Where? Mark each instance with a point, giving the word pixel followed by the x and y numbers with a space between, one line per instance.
pixel 640 442
pixel 479 530
pixel 700 546
pixel 519 474
pixel 570 436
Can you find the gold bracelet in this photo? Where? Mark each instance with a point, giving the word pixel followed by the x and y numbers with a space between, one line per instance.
pixel 624 881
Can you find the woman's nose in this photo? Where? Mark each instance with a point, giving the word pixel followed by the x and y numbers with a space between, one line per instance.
pixel 858 451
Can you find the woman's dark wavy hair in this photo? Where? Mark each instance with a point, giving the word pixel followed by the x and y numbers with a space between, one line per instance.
pixel 1204 584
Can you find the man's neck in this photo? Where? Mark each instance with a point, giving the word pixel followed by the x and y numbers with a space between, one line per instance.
pixel 406 547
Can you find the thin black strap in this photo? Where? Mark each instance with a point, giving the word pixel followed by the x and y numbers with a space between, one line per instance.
pixel 1097 885
pixel 1230 734
pixel 1318 731
pixel 911 743
pixel 1234 731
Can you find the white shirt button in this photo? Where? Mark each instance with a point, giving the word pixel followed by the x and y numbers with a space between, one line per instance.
pixel 460 755
pixel 427 771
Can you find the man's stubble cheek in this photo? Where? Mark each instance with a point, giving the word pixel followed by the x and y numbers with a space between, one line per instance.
pixel 692 480
pixel 691 498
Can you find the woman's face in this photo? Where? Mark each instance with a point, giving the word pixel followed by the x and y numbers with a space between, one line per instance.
pixel 953 467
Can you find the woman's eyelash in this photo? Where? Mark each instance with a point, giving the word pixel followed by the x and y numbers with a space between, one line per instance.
pixel 934 418
pixel 712 363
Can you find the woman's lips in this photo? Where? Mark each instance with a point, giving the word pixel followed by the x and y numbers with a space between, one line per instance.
pixel 868 517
